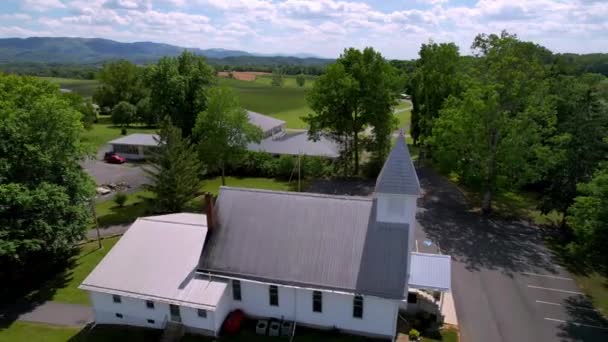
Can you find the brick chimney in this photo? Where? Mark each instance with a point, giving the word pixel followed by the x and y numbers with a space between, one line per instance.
pixel 209 211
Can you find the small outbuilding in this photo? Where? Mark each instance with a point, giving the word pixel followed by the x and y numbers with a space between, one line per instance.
pixel 135 146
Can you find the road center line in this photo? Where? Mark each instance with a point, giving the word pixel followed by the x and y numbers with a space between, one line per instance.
pixel 546 275
pixel 572 306
pixel 551 289
pixel 577 324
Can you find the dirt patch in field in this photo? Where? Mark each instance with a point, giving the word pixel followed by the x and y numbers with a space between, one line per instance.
pixel 243 75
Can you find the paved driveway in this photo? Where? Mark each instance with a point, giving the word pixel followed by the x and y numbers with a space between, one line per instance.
pixel 505 283
pixel 104 173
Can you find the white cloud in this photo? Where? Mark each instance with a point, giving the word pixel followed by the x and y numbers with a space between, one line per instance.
pixel 41 5
pixel 324 27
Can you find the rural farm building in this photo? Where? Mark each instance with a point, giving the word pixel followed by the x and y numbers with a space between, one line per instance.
pixel 276 140
pixel 135 146
pixel 349 265
pixel 269 125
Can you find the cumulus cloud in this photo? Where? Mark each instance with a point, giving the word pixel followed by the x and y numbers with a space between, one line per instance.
pixel 324 27
pixel 41 5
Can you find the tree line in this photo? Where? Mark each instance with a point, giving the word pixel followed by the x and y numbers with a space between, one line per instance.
pixel 517 116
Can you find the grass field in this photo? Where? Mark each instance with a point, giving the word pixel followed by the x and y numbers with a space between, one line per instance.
pixel 109 213
pixel 85 88
pixel 104 131
pixel 287 103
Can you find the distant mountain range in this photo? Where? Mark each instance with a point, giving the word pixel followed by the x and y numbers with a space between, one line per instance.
pixel 97 50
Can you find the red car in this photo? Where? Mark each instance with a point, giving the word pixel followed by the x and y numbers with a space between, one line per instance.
pixel 115 159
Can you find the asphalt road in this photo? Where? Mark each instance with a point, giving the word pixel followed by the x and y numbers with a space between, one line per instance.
pixel 505 283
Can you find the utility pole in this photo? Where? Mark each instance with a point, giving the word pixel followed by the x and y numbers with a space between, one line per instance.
pixel 299 170
pixel 96 223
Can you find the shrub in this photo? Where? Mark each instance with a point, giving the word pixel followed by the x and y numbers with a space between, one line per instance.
pixel 120 199
pixel 414 334
pixel 285 166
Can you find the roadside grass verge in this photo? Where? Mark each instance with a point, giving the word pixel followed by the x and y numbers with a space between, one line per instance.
pixel 447 335
pixel 37 332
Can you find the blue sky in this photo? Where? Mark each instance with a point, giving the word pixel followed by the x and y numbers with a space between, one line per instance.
pixel 322 27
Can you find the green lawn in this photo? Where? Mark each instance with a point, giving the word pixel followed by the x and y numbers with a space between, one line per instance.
pixel 109 213
pixel 403 114
pixel 213 185
pixel 287 103
pixel 596 287
pixel 447 335
pixel 90 255
pixel 85 88
pixel 288 81
pixel 36 332
pixel 104 131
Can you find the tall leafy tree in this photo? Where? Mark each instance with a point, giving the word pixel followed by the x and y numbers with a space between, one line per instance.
pixel 588 217
pixel 582 122
pixel 84 106
pixel 177 86
pixel 175 172
pixel 124 113
pixel 300 80
pixel 495 133
pixel 356 92
pixel 45 195
pixel 223 130
pixel 435 77
pixel 119 81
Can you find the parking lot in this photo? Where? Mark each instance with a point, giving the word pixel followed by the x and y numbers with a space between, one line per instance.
pixel 104 173
pixel 506 284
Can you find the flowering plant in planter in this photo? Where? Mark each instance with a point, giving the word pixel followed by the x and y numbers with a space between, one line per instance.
pixel 414 335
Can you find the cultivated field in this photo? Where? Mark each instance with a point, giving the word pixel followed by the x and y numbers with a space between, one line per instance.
pixel 242 75
pixel 85 88
pixel 287 103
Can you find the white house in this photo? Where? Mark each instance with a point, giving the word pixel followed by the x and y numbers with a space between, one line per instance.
pixel 319 260
pixel 135 146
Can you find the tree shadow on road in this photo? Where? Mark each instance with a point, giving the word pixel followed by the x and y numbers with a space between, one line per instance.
pixel 586 324
pixel 26 287
pixel 477 241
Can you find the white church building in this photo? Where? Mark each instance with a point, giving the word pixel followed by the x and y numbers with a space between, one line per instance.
pixel 321 261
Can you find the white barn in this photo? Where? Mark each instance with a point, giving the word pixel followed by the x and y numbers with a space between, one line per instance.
pixel 321 261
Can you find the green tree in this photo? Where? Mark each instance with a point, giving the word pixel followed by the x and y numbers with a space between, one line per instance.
pixel 582 122
pixel 146 113
pixel 357 91
pixel 277 78
pixel 588 217
pixel 84 107
pixel 45 195
pixel 174 170
pixel 223 130
pixel 495 133
pixel 119 81
pixel 177 88
pixel 434 79
pixel 300 80
pixel 124 113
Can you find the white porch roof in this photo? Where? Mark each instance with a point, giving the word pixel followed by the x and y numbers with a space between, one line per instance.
pixel 430 271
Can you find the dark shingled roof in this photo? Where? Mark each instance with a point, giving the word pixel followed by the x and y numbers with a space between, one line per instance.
pixel 398 175
pixel 301 239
